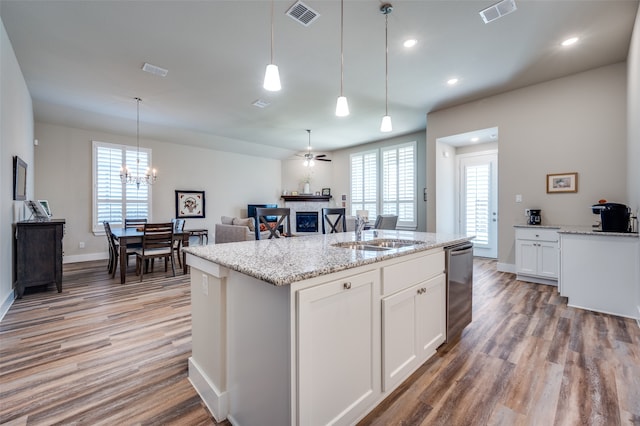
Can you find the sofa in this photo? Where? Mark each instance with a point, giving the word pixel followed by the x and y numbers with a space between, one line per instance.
pixel 233 229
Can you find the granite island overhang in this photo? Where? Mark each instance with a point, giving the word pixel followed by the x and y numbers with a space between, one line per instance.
pixel 301 331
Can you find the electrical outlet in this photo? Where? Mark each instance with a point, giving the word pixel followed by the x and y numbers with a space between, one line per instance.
pixel 518 198
pixel 205 284
pixel 526 212
pixel 81 244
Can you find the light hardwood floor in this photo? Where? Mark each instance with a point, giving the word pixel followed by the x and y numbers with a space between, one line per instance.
pixel 105 353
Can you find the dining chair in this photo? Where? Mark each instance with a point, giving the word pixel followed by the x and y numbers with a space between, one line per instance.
pixel 134 222
pixel 281 215
pixel 178 227
pixel 114 250
pixel 386 221
pixel 335 218
pixel 157 242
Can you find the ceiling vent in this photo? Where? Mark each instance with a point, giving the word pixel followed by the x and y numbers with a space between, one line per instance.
pixel 498 10
pixel 152 69
pixel 261 103
pixel 302 14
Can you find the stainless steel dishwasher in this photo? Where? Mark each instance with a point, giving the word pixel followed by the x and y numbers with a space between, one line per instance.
pixel 459 265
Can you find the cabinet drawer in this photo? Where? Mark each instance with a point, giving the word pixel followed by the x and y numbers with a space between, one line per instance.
pixel 537 234
pixel 405 274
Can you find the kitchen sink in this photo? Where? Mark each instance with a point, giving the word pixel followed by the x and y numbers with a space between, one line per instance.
pixel 377 245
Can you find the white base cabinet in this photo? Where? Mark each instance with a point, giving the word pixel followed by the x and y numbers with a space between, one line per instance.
pixel 414 325
pixel 338 364
pixel 601 273
pixel 537 255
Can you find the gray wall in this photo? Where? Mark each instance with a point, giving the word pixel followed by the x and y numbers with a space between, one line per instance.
pixel 572 124
pixel 16 138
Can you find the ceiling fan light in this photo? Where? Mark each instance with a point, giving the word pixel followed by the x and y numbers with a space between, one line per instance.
pixel 342 107
pixel 306 163
pixel 272 78
pixel 386 126
pixel 311 163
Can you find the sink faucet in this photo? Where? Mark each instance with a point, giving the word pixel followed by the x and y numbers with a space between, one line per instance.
pixel 360 222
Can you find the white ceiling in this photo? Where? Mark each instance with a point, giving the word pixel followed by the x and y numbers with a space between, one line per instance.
pixel 82 63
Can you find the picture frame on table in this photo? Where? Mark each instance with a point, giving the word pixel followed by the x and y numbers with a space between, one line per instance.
pixel 190 204
pixel 562 182
pixel 326 191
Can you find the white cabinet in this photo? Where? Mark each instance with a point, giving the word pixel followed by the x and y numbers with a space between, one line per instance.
pixel 414 325
pixel 601 273
pixel 338 367
pixel 537 255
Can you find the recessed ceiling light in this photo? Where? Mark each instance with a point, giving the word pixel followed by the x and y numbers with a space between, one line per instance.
pixel 452 81
pixel 410 42
pixel 570 41
pixel 476 139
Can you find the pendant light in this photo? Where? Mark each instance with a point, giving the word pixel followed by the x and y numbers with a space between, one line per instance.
pixel 271 75
pixel 386 126
pixel 342 106
pixel 126 177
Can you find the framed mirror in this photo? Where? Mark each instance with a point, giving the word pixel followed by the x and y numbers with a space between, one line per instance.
pixel 19 179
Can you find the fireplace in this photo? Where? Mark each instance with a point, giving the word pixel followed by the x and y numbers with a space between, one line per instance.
pixel 306 221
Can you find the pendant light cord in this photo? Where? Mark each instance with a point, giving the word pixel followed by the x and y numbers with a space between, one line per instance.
pixel 138 135
pixel 386 64
pixel 271 32
pixel 341 46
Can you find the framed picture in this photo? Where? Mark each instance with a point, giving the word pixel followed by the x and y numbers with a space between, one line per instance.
pixel 562 182
pixel 326 191
pixel 45 206
pixel 294 192
pixel 19 179
pixel 189 204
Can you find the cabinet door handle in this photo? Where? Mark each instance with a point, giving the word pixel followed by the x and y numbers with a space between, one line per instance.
pixel 347 285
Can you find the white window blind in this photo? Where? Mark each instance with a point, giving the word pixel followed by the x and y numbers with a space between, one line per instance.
pixel 112 200
pixel 364 183
pixel 477 183
pixel 399 183
pixel 393 170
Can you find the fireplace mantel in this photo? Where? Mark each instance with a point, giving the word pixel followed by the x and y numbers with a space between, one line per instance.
pixel 306 197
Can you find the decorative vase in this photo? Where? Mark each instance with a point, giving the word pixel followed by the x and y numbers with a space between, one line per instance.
pixel 306 189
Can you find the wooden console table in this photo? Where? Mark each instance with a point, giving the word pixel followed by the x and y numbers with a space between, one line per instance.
pixel 38 257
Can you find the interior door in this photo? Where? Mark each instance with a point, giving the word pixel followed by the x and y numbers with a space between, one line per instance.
pixel 479 202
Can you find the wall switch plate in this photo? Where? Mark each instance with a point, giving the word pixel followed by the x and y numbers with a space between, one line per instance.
pixel 81 244
pixel 518 198
pixel 205 284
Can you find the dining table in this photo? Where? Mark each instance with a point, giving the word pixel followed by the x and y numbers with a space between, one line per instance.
pixel 127 236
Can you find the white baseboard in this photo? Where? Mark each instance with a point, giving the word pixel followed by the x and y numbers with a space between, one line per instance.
pixel 216 401
pixel 6 304
pixel 85 257
pixel 506 267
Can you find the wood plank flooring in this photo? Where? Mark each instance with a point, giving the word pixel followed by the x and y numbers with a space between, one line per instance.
pixel 102 353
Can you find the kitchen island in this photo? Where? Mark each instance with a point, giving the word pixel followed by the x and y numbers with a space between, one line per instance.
pixel 299 331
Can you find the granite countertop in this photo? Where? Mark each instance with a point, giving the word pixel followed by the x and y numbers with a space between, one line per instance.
pixel 284 261
pixel 581 230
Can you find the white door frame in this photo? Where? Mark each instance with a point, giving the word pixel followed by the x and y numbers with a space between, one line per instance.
pixel 481 157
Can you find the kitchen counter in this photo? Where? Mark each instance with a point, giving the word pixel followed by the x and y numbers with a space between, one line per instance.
pixel 296 331
pixel 580 230
pixel 283 261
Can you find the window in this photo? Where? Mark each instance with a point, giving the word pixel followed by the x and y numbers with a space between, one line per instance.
pixel 399 183
pixel 364 183
pixel 397 180
pixel 112 200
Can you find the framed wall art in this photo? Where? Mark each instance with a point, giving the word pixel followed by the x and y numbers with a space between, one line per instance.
pixel 189 204
pixel 326 191
pixel 19 179
pixel 562 182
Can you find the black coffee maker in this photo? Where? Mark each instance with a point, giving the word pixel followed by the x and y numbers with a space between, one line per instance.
pixel 535 217
pixel 614 217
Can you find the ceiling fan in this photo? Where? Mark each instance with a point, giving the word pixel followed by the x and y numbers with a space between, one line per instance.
pixel 309 157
